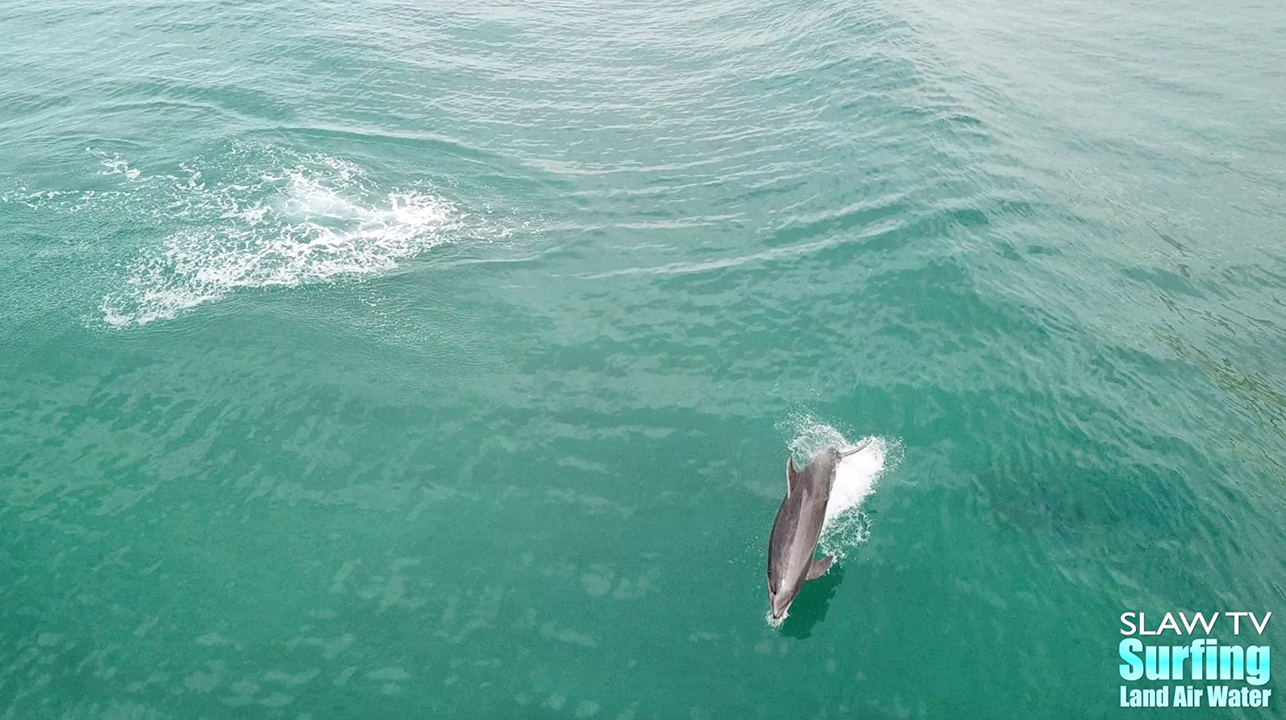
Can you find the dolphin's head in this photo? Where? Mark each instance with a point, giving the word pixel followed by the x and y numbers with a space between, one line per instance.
pixel 779 599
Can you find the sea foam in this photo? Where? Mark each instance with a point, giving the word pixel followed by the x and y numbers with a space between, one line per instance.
pixel 302 219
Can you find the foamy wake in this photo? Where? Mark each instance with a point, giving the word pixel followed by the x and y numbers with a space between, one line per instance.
pixel 301 219
pixel 846 526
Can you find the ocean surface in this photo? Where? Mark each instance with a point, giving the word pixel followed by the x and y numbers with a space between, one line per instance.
pixel 373 359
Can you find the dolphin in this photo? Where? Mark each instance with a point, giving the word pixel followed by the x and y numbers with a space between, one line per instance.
pixel 798 526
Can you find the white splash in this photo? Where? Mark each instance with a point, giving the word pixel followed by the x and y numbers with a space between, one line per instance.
pixel 115 164
pixel 313 219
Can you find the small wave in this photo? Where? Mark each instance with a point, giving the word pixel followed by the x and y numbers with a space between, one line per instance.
pixel 307 220
pixel 855 478
pixel 115 164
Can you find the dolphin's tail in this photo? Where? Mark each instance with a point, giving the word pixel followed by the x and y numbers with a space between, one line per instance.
pixel 859 448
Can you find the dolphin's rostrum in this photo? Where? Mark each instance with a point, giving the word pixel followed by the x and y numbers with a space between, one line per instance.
pixel 798 526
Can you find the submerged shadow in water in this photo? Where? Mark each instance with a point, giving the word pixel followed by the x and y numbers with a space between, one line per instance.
pixel 811 604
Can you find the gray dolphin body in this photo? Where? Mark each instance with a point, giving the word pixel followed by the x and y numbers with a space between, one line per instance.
pixel 798 526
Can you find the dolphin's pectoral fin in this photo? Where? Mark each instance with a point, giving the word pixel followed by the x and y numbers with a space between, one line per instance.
pixel 792 475
pixel 819 567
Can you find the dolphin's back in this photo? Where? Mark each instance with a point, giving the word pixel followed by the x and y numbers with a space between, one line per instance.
pixel 784 529
pixel 798 524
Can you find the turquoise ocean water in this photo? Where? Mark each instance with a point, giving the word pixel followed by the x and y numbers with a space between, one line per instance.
pixel 373 359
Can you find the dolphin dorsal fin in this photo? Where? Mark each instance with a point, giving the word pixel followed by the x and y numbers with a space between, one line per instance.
pixel 792 475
